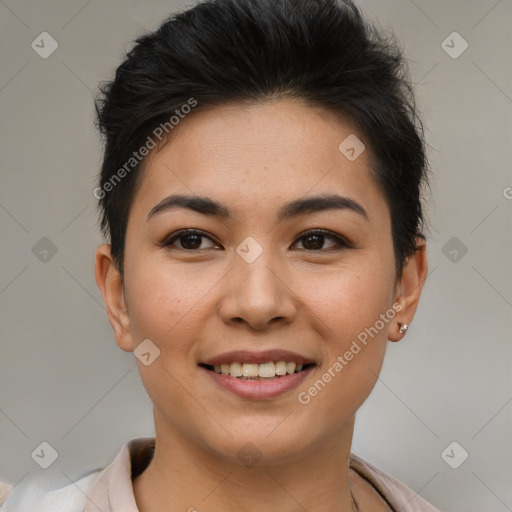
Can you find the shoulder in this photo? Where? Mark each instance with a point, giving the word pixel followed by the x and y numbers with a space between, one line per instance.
pixel 396 493
pixel 113 481
pixel 36 494
pixel 5 489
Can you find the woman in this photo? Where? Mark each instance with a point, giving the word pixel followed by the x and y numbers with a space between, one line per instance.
pixel 261 194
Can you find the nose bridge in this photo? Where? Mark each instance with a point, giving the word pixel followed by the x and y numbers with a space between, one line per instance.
pixel 262 275
pixel 257 293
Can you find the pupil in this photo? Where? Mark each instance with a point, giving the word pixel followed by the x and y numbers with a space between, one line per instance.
pixel 187 238
pixel 317 241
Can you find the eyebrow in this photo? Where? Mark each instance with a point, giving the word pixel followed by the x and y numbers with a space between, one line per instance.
pixel 208 206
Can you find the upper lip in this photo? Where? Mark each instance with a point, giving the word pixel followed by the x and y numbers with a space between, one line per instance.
pixel 246 356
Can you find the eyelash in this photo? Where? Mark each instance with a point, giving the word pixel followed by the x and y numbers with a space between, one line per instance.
pixel 340 242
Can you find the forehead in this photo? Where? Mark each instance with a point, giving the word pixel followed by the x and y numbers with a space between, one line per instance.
pixel 256 155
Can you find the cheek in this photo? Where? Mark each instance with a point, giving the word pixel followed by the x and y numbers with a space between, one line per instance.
pixel 158 300
pixel 354 352
pixel 165 307
pixel 348 300
pixel 169 304
pixel 349 311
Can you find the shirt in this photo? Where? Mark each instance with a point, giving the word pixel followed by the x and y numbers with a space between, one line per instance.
pixel 110 489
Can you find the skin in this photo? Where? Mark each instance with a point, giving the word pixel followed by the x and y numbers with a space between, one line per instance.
pixel 307 298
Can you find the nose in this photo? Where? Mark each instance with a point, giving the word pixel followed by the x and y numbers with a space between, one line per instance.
pixel 258 294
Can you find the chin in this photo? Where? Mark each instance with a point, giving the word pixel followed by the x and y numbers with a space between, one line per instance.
pixel 258 447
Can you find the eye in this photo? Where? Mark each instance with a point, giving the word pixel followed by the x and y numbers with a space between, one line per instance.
pixel 191 240
pixel 188 239
pixel 313 240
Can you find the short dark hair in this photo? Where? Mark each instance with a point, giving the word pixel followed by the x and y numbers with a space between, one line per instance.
pixel 321 51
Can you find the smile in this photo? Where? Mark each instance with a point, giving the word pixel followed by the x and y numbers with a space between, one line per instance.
pixel 254 371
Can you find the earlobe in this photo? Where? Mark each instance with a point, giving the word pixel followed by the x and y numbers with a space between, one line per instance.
pixel 110 284
pixel 409 290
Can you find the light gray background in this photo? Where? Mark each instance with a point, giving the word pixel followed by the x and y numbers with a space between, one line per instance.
pixel 65 381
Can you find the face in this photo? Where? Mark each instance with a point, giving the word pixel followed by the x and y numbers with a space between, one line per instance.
pixel 255 281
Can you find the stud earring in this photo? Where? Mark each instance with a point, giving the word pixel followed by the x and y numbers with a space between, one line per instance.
pixel 403 328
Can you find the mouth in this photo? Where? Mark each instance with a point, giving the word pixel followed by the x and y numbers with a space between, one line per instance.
pixel 269 370
pixel 258 375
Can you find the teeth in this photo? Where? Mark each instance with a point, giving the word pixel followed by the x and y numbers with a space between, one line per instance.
pixel 236 370
pixel 250 369
pixel 255 371
pixel 280 367
pixel 267 370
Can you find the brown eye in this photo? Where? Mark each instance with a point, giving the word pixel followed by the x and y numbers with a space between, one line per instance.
pixel 190 240
pixel 314 240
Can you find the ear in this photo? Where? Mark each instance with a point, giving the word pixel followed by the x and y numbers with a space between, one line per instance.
pixel 409 287
pixel 110 283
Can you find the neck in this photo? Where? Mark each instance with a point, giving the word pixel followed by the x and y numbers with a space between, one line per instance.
pixel 184 476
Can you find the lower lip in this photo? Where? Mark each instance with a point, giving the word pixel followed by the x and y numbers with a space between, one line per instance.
pixel 259 389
